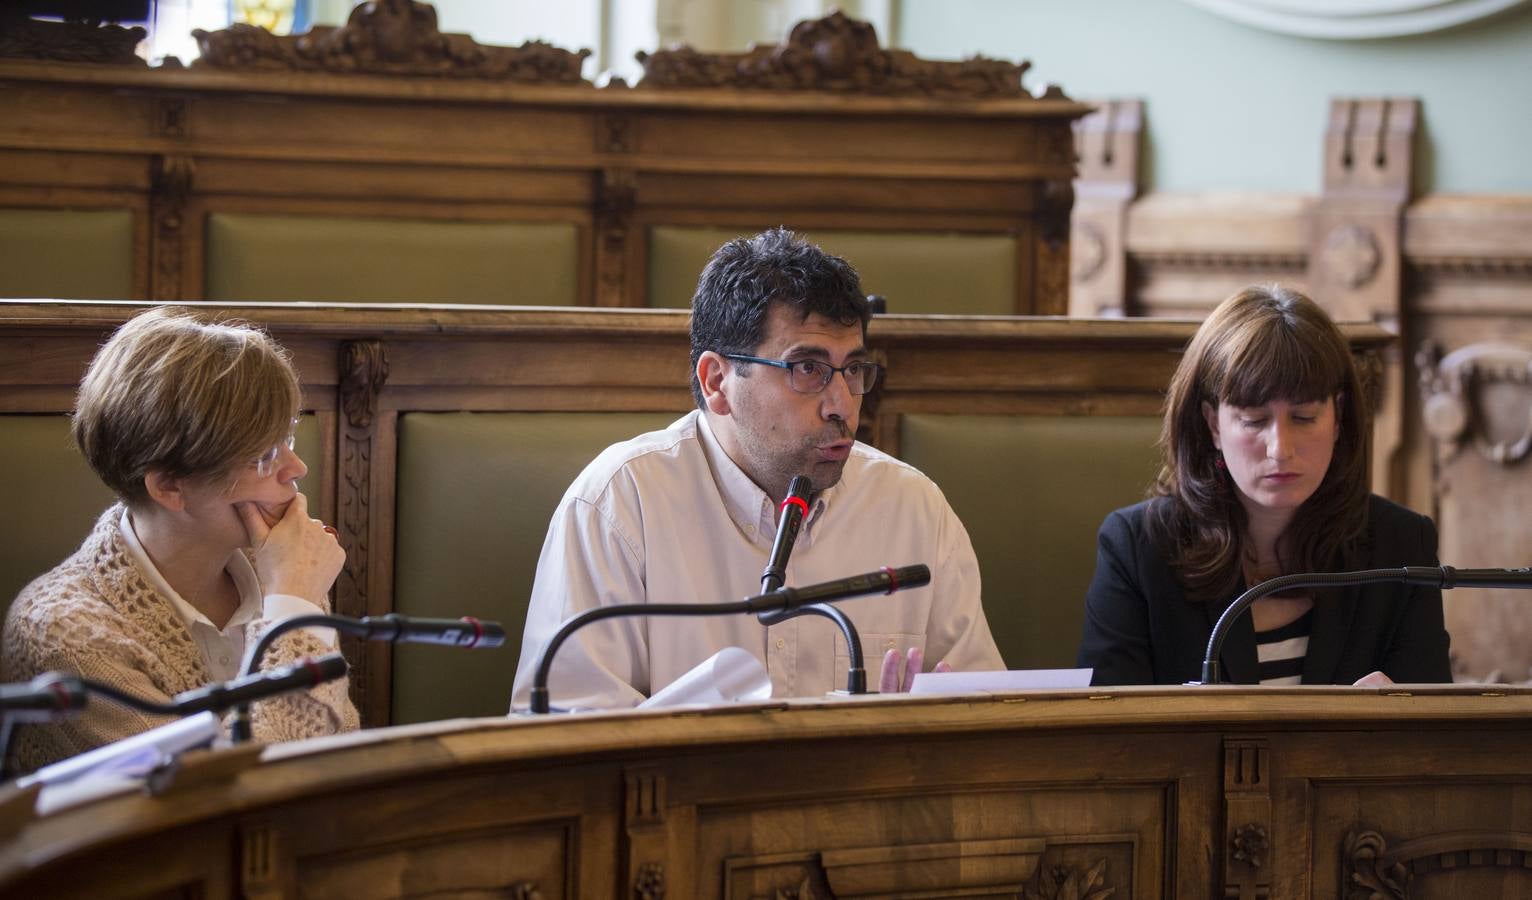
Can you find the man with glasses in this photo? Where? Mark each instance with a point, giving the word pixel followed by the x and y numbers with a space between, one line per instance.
pixel 688 514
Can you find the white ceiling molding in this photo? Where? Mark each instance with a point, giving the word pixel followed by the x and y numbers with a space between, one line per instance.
pixel 1354 19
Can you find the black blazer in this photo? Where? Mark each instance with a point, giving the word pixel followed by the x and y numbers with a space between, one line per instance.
pixel 1141 629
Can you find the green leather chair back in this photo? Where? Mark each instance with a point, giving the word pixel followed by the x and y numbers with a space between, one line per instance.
pixel 475 493
pixel 66 254
pixel 53 497
pixel 1032 491
pixel 265 257
pixel 918 272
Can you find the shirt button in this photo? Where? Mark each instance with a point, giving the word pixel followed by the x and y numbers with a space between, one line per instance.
pixel 224 660
pixel 889 644
pixel 781 643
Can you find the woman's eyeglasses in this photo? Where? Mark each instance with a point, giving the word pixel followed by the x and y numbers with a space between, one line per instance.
pixel 266 463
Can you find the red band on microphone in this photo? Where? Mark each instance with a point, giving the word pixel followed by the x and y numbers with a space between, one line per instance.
pixel 314 671
pixel 802 504
pixel 60 694
pixel 893 579
pixel 478 631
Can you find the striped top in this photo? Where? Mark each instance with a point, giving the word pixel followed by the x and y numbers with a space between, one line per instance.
pixel 1281 651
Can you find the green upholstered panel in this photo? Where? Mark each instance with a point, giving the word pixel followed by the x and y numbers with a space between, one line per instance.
pixel 918 272
pixel 259 257
pixel 66 254
pixel 475 493
pixel 53 497
pixel 1032 491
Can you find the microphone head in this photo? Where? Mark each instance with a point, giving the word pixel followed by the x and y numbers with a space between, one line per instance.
pixel 328 667
pixel 906 577
pixel 801 487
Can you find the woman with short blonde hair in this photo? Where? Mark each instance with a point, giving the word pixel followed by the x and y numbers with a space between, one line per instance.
pixel 191 423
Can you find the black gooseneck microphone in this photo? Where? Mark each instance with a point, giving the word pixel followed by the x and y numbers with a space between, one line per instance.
pixel 467 632
pixel 56 695
pixel 1444 577
pixel 44 698
pixel 794 507
pixel 885 581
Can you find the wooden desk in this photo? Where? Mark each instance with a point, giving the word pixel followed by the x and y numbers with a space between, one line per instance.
pixel 1216 792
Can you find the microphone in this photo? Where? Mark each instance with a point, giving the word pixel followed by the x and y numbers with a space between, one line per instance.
pixel 1443 577
pixel 249 688
pixel 885 580
pixel 794 507
pixel 467 632
pixel 45 698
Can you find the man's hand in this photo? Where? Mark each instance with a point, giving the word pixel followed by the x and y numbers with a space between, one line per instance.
pixel 297 555
pixel 892 681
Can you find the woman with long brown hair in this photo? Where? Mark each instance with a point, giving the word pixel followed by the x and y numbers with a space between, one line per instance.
pixel 1266 444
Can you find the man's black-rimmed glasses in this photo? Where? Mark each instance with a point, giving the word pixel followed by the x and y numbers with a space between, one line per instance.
pixel 810 376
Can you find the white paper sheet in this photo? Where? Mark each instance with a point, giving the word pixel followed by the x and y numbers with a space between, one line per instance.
pixel 990 682
pixel 731 675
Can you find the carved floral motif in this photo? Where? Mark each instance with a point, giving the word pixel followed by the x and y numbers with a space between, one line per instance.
pixel 392 37
pixel 80 42
pixel 1251 844
pixel 835 53
pixel 649 884
pixel 1069 883
pixel 1352 253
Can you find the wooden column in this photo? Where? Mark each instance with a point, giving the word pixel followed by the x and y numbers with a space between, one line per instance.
pixel 363 369
pixel 1356 251
pixel 1106 142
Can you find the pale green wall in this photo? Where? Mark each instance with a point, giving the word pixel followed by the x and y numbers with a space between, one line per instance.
pixel 1230 107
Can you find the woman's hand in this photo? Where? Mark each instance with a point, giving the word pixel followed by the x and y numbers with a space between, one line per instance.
pixel 297 555
pixel 1373 679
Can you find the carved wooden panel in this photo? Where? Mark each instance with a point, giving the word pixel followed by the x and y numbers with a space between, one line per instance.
pixel 1247 819
pixel 1477 409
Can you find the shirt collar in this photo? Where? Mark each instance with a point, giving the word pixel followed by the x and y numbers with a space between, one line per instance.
pixel 238 567
pixel 747 505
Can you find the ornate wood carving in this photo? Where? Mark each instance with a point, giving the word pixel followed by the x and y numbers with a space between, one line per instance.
pixel 1354 264
pixel 838 54
pixel 1480 396
pixel 1292 264
pixel 363 370
pixel 1055 198
pixel 616 195
pixel 77 42
pixel 644 835
pixel 1356 255
pixel 1464 400
pixel 1247 819
pixel 1069 883
pixel 172 185
pixel 389 37
pixel 649 884
pixel 1373 871
pixel 1106 143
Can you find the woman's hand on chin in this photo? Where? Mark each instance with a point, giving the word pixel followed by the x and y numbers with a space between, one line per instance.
pixel 296 555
